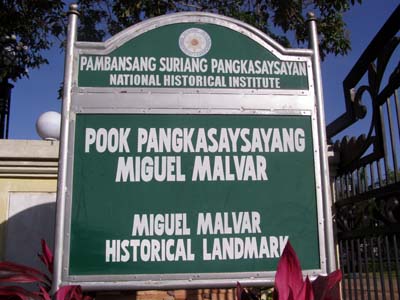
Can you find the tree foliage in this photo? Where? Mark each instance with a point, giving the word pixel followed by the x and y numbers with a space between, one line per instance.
pixel 28 27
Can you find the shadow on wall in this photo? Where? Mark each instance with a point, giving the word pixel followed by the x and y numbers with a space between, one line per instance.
pixel 31 217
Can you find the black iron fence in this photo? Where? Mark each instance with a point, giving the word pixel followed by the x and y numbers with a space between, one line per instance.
pixel 367 180
pixel 371 267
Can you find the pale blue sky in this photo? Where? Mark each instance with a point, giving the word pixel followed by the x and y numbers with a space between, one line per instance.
pixel 33 96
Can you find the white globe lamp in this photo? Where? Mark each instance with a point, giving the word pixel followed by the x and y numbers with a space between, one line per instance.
pixel 48 126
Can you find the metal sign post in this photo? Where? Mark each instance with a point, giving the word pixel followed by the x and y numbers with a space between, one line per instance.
pixel 191 154
pixel 314 45
pixel 62 190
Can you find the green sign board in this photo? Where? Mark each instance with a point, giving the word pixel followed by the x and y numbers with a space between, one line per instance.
pixel 192 55
pixel 191 193
pixel 190 157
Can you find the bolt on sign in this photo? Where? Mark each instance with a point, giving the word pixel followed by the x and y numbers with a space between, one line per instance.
pixel 192 158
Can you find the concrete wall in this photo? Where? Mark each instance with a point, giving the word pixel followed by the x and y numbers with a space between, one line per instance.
pixel 28 184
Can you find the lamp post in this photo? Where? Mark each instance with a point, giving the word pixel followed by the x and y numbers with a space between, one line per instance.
pixel 5 102
pixel 9 68
pixel 13 64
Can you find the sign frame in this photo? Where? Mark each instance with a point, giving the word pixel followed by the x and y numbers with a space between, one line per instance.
pixel 184 101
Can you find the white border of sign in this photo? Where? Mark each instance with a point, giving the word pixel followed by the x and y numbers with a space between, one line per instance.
pixel 186 101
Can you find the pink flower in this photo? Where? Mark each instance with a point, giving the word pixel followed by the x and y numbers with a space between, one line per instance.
pixel 11 273
pixel 289 283
pixel 47 256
